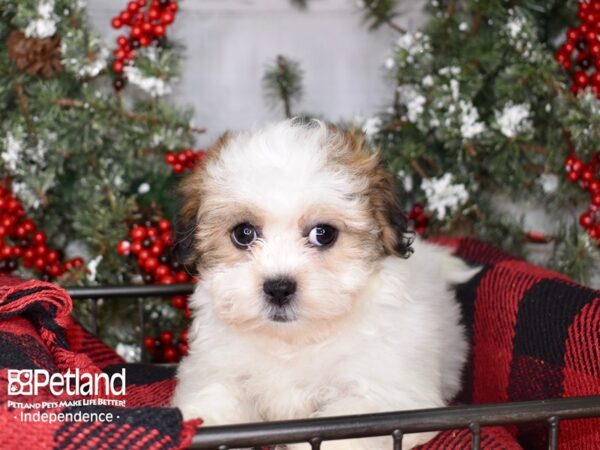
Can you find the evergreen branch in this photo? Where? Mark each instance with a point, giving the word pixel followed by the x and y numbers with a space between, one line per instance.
pixel 24 106
pixel 381 12
pixel 451 8
pixel 470 148
pixel 475 24
pixel 139 117
pixel 417 168
pixel 282 81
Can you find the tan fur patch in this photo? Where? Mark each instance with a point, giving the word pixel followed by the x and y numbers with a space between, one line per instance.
pixel 350 150
pixel 192 190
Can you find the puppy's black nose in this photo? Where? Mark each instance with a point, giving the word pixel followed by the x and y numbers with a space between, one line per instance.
pixel 279 290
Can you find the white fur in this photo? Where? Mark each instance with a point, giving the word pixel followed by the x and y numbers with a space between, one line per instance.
pixel 369 336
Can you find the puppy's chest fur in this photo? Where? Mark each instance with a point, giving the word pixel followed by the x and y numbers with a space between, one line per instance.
pixel 291 387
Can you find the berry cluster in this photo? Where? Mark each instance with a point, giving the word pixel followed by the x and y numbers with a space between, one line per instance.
pixel 419 217
pixel 21 240
pixel 185 159
pixel 148 26
pixel 164 349
pixel 580 54
pixel 151 243
pixel 588 177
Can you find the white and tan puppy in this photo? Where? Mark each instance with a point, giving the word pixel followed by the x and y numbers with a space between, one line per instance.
pixel 311 301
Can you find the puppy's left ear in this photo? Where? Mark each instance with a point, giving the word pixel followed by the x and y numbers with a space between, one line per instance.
pixel 383 197
pixel 395 236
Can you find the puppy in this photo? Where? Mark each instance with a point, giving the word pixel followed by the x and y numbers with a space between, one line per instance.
pixel 311 301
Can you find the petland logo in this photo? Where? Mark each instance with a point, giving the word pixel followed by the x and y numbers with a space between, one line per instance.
pixel 29 382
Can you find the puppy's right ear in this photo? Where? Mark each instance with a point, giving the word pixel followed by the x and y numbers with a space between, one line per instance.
pixel 186 249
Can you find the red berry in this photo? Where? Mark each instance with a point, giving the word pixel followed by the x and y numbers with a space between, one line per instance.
pixel 136 247
pixel 167 17
pixel 41 250
pixel 28 254
pixel 132 6
pixel 117 66
pixel 120 53
pixel 168 279
pixel 596 200
pixel 116 23
pixel 182 277
pixel 586 220
pixel 179 301
pixel 591 18
pixel 173 7
pixel 187 313
pixel 151 264
pixel 162 271
pixel 138 233
pixel 20 231
pixel 136 32
pixel 77 262
pixel 149 344
pixel 573 34
pixel 144 41
pixel 170 157
pixel 122 41
pixel 153 14
pixel 421 220
pixel 581 79
pixel 157 248
pixel 177 168
pixel 143 255
pixel 170 354
pixel 141 3
pixel 39 263
pixel 594 186
pixel 29 225
pixel 166 337
pixel 125 17
pixel 55 270
pixel 152 232
pixel 182 349
pixel 184 335
pixel 39 237
pixel 167 239
pixel 124 248
pixel 52 256
pixel 164 225
pixel 159 30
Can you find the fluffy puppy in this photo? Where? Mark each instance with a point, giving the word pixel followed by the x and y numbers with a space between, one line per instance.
pixel 311 301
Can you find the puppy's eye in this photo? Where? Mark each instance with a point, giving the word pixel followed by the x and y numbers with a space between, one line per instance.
pixel 322 235
pixel 243 235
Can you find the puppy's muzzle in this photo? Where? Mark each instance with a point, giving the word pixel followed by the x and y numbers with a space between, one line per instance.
pixel 279 291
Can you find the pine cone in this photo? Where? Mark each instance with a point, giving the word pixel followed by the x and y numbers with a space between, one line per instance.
pixel 35 56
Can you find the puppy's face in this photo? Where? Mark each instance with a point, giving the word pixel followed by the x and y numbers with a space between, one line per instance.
pixel 285 226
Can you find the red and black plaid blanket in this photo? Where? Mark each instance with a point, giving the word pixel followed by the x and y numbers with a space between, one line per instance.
pixel 535 335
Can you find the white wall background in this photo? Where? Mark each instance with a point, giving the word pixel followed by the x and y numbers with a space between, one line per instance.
pixel 229 43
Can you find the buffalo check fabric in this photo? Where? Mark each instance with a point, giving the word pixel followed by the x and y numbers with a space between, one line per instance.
pixel 37 332
pixel 534 335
